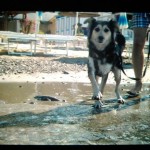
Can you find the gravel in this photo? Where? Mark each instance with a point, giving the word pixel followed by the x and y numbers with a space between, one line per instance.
pixel 29 65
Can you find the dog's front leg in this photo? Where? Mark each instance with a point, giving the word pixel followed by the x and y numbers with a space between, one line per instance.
pixel 96 93
pixel 103 83
pixel 93 79
pixel 99 103
pixel 117 75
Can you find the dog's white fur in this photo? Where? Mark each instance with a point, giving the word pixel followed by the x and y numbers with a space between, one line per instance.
pixel 105 68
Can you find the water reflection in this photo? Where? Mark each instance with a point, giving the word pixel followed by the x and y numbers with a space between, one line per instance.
pixel 71 122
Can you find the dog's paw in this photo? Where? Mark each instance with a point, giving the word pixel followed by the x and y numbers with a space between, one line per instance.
pixel 121 101
pixel 97 97
pixel 98 104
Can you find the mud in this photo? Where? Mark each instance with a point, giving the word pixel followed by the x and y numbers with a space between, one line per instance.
pixel 26 120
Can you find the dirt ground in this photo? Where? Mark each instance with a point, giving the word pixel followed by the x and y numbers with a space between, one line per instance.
pixel 25 120
pixel 54 67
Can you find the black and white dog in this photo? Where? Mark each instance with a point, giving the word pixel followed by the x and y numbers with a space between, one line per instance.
pixel 105 44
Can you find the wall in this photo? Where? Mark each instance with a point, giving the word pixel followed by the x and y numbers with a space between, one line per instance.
pixel 52 26
pixel 12 25
pixel 64 25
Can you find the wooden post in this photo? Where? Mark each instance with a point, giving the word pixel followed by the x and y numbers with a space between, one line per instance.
pixel 5 21
pixel 76 25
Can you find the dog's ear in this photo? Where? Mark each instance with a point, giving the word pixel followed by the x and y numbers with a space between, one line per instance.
pixel 114 25
pixel 90 21
pixel 118 37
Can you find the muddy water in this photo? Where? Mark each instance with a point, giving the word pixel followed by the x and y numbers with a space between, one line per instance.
pixel 26 120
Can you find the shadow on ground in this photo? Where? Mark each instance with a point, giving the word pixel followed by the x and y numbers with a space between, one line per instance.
pixel 70 114
pixel 72 60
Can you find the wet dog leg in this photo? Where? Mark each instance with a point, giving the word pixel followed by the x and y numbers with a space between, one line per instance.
pixel 103 83
pixel 117 75
pixel 95 87
pixel 99 103
pixel 93 79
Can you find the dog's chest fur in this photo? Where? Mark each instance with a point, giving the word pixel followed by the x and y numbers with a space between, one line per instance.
pixel 100 67
pixel 101 62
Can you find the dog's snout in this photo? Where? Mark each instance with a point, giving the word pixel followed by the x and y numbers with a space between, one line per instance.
pixel 100 38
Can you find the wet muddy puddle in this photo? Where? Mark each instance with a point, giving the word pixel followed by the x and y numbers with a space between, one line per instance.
pixel 67 116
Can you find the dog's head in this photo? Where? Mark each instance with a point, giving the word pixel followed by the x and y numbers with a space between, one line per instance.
pixel 101 33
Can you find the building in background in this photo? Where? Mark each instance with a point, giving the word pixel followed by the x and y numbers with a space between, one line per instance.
pixel 47 23
pixel 65 25
pixel 20 23
pixel 50 23
pixel 13 25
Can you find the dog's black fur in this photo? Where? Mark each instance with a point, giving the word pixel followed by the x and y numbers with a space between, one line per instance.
pixel 104 55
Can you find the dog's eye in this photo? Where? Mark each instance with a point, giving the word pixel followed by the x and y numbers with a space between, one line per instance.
pixel 106 30
pixel 97 29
